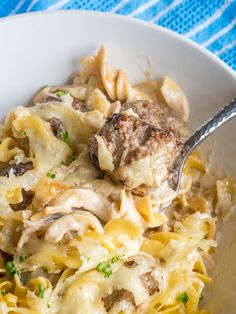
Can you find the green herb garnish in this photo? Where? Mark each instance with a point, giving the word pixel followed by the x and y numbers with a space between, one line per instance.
pixel 115 259
pixel 2 293
pixel 64 135
pixel 11 270
pixel 71 158
pixel 20 259
pixel 105 268
pixel 51 175
pixel 183 297
pixel 60 93
pixel 41 290
pixel 22 133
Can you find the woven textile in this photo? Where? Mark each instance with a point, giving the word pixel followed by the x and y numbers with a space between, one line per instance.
pixel 211 23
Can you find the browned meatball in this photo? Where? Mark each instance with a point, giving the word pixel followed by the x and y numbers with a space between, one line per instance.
pixel 141 153
pixel 159 116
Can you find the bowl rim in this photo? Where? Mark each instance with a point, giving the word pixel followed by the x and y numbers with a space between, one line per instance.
pixel 107 15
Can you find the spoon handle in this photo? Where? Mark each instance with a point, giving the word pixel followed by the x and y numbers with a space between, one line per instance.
pixel 224 115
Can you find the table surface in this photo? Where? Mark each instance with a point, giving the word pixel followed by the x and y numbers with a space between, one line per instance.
pixel 211 23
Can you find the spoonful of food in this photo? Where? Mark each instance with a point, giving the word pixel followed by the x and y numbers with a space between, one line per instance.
pixel 138 149
pixel 223 116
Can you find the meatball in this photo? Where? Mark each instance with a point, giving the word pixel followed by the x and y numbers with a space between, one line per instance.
pixel 159 116
pixel 141 153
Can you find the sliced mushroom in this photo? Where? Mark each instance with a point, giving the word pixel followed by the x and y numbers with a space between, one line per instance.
pixel 131 264
pixel 48 212
pixel 52 99
pixel 56 125
pixel 27 200
pixel 83 198
pixel 118 296
pixel 150 283
pixel 80 105
pixel 79 221
pixel 18 169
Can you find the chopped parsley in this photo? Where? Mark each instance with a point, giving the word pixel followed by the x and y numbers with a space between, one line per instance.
pixel 11 270
pixel 115 259
pixel 183 297
pixel 51 175
pixel 41 290
pixel 49 270
pixel 21 259
pixel 64 135
pixel 105 268
pixel 2 293
pixel 60 93
pixel 22 133
pixel 71 158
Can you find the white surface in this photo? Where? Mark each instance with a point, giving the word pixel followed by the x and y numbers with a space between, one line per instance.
pixel 44 48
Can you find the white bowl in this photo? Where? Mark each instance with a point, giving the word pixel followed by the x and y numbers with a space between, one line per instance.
pixel 44 48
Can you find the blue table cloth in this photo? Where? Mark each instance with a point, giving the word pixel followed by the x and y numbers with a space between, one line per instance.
pixel 211 23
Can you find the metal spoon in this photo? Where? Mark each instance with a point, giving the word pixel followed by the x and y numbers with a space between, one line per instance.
pixel 224 115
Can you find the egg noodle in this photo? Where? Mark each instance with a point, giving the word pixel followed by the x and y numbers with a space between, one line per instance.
pixel 72 241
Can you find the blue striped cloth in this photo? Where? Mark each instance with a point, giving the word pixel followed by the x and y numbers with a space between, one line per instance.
pixel 211 23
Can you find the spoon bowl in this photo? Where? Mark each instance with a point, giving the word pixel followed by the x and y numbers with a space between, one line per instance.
pixel 224 115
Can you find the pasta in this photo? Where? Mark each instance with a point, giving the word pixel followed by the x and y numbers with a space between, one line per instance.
pixel 73 238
